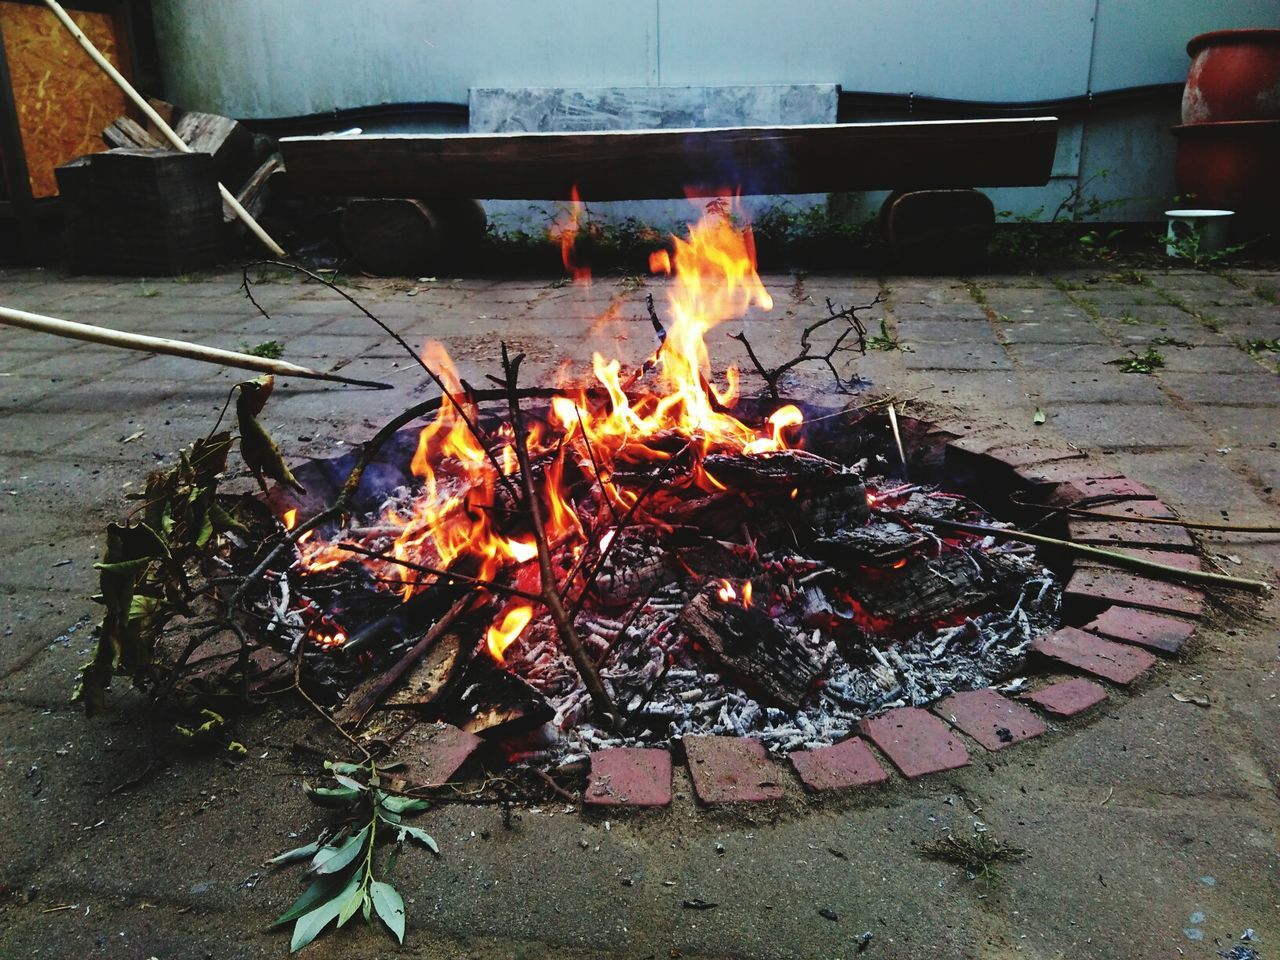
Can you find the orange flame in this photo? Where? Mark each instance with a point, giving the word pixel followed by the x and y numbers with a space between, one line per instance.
pixel 290 518
pixel 726 592
pixel 565 230
pixel 713 279
pixel 502 634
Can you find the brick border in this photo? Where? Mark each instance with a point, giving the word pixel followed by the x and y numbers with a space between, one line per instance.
pixel 1116 625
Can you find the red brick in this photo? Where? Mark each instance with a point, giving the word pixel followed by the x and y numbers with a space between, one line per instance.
pixel 989 718
pixel 629 777
pixel 917 742
pixel 1170 558
pixel 1061 471
pixel 847 764
pixel 1150 630
pixel 1117 662
pixel 1030 454
pixel 731 770
pixel 1094 583
pixel 1105 533
pixel 1101 489
pixel 1067 698
pixel 434 752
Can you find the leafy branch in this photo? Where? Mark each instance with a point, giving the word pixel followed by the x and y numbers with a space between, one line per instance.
pixel 341 864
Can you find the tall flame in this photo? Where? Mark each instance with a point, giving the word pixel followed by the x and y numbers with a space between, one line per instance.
pixel 458 515
pixel 565 231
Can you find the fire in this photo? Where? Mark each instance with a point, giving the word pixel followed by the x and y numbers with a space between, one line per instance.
pixel 513 621
pixel 728 594
pixel 460 515
pixel 290 518
pixel 565 231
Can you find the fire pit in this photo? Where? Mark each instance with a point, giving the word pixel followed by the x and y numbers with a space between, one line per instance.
pixel 714 565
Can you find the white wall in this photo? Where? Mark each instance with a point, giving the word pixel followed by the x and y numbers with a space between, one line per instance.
pixel 274 58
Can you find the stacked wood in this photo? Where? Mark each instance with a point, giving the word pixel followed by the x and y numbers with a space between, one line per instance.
pixel 141 212
pixel 127 132
pixel 228 141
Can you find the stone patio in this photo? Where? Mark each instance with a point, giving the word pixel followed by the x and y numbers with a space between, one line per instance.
pixel 1151 822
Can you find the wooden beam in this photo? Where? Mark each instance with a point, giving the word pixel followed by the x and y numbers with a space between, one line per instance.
pixel 641 164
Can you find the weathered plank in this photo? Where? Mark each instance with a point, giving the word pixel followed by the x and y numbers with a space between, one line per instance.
pixel 640 164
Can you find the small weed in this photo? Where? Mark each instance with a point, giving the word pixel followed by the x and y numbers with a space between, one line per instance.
pixel 977 854
pixel 1256 347
pixel 1099 246
pixel 269 349
pixel 1189 246
pixel 884 340
pixel 1163 341
pixel 1127 317
pixel 1133 278
pixel 146 291
pixel 1148 362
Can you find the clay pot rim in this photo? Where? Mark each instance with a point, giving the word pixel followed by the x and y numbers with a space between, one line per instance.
pixel 1263 35
pixel 1254 128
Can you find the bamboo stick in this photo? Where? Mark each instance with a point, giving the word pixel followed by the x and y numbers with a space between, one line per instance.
pixel 178 143
pixel 1107 556
pixel 174 348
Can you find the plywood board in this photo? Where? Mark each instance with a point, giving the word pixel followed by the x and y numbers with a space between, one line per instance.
pixel 63 100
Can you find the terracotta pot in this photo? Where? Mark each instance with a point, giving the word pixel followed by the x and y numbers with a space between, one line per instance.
pixel 1234 165
pixel 1234 75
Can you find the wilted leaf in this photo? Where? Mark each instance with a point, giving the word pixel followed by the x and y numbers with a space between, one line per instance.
pixel 260 452
pixel 389 906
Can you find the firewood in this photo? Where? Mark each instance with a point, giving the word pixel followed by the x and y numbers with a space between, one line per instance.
pixel 424 686
pixel 923 591
pixel 253 195
pixel 127 132
pixel 229 142
pixel 496 704
pixel 773 663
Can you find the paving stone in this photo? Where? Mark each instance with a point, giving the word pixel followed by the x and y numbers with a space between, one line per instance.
pixel 989 718
pixel 1117 662
pixel 1106 533
pixel 1100 490
pixel 1064 471
pixel 629 777
pixel 1067 698
pixel 731 770
pixel 1169 558
pixel 1150 630
pixel 1092 584
pixel 434 752
pixel 917 742
pixel 838 767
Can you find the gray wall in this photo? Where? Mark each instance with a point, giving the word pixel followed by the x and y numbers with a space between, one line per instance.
pixel 271 58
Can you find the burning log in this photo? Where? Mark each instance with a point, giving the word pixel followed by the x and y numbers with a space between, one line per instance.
pixel 425 685
pixel 922 592
pixel 776 664
pixel 495 704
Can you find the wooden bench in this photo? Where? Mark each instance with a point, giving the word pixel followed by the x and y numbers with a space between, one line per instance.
pixel 928 159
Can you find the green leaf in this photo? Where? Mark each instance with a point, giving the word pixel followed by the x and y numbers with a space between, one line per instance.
pixel 310 924
pixel 389 906
pixel 406 805
pixel 333 859
pixel 352 904
pixel 349 783
pixel 337 766
pixel 294 855
pixel 323 889
pixel 1038 417
pixel 331 796
pixel 421 836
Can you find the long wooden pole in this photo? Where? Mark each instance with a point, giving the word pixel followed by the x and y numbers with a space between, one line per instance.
pixel 175 348
pixel 178 143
